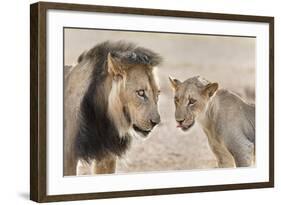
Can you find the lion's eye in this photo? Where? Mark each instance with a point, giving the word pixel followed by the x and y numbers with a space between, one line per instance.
pixel 141 93
pixel 176 99
pixel 191 101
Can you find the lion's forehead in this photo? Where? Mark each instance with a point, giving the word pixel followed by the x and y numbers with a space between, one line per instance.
pixel 187 90
pixel 142 78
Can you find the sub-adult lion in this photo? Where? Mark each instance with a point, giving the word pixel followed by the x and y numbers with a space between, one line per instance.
pixel 110 96
pixel 227 120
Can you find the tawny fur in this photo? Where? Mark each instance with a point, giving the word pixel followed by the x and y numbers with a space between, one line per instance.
pixel 227 120
pixel 102 109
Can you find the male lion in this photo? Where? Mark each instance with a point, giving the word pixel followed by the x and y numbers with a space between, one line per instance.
pixel 227 120
pixel 110 96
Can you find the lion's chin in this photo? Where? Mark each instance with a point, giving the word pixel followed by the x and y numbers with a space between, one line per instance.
pixel 140 132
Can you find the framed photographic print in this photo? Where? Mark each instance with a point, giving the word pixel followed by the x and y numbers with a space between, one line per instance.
pixel 134 102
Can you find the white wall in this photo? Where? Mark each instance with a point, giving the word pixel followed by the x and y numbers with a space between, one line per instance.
pixel 14 103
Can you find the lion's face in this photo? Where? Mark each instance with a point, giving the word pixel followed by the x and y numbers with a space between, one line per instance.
pixel 191 98
pixel 134 95
pixel 140 97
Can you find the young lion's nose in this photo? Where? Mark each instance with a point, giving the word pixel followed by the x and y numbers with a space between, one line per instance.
pixel 180 121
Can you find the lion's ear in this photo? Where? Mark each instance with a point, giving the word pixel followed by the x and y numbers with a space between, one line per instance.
pixel 114 66
pixel 174 82
pixel 210 89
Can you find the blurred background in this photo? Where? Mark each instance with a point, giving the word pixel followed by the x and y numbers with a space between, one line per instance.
pixel 230 61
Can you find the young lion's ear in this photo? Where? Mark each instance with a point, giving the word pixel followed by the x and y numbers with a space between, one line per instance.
pixel 114 66
pixel 174 82
pixel 210 89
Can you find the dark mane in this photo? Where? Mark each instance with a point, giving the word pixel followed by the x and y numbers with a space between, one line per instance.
pixel 97 135
pixel 128 53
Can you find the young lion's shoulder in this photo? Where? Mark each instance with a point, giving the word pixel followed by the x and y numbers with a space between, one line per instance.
pixel 227 98
pixel 229 107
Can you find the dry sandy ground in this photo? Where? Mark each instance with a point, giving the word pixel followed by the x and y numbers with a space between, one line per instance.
pixel 230 61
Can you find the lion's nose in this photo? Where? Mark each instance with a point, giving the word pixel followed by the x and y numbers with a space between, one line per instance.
pixel 155 121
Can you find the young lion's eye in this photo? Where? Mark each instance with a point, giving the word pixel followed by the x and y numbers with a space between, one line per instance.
pixel 176 99
pixel 140 93
pixel 191 101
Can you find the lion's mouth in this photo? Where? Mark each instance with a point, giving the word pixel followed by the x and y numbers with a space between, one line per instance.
pixel 185 127
pixel 144 132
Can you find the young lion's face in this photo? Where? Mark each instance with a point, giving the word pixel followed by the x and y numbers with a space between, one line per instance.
pixel 191 98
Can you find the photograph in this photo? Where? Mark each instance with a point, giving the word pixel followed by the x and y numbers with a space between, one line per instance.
pixel 147 101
